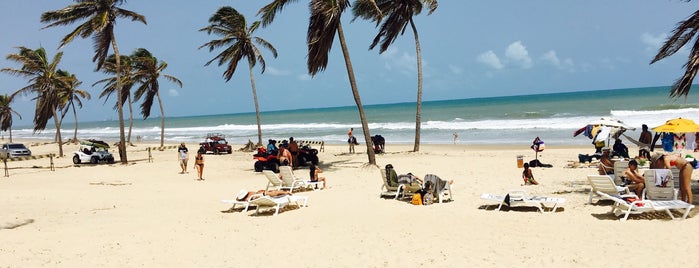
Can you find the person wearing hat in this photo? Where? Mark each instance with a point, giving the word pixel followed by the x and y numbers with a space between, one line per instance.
pixel 182 157
pixel 606 166
pixel 661 160
pixel 634 178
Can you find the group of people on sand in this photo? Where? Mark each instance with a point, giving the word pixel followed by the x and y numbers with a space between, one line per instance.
pixel 314 175
pixel 287 151
pixel 183 158
pixel 424 190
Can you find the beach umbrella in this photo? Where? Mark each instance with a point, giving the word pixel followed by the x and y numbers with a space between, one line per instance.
pixel 610 122
pixel 678 125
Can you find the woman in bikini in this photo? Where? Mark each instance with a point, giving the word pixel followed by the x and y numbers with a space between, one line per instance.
pixel 528 175
pixel 199 164
pixel 660 160
pixel 314 175
pixel 244 195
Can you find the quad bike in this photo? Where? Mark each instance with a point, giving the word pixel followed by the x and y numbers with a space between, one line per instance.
pixel 306 154
pixel 265 161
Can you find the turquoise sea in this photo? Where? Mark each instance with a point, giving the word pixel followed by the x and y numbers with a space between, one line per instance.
pixel 498 120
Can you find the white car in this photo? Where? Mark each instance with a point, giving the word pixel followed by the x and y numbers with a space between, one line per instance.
pixel 15 150
pixel 93 151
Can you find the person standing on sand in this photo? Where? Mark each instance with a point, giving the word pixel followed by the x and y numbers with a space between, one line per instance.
pixel 352 140
pixel 199 164
pixel 182 157
pixel 456 137
pixel 645 138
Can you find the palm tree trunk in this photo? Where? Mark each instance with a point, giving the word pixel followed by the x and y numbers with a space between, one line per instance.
pixel 128 139
pixel 162 119
pixel 75 133
pixel 257 106
pixel 58 134
pixel 418 55
pixel 10 134
pixel 120 108
pixel 355 93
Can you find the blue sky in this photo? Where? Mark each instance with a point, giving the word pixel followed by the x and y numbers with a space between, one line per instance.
pixel 470 49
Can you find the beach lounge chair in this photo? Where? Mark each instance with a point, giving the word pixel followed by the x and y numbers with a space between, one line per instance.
pixel 277 202
pixel 605 184
pixel 442 188
pixel 291 182
pixel 273 179
pixel 387 190
pixel 619 167
pixel 638 206
pixel 236 201
pixel 522 198
pixel 654 180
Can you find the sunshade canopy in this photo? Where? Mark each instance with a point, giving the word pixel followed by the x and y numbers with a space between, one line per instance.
pixel 678 125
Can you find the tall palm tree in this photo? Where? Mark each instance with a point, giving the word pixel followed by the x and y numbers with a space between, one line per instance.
pixel 397 14
pixel 147 70
pixel 99 21
pixel 683 33
pixel 44 82
pixel 239 43
pixel 126 74
pixel 71 96
pixel 6 114
pixel 324 23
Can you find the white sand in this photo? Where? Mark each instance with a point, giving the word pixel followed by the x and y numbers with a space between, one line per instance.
pixel 146 214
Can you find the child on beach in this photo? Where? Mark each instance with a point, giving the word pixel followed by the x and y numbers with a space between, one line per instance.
pixel 199 164
pixel 528 175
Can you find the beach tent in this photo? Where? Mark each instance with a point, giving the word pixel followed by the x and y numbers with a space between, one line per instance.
pixel 604 129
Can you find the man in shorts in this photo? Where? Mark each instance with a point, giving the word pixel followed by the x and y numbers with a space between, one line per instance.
pixel 183 157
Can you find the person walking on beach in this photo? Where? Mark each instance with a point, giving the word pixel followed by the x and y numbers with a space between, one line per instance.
pixel 199 164
pixel 352 140
pixel 456 137
pixel 182 157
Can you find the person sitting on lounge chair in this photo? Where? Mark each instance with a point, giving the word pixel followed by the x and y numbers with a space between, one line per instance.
pixel 634 179
pixel 248 196
pixel 410 182
pixel 313 174
pixel 606 166
pixel 660 160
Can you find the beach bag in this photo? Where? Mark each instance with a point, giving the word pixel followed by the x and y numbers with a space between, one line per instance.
pixel 417 199
pixel 428 199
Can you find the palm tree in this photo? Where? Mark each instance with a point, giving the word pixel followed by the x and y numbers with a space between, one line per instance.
pixel 239 43
pixel 397 14
pixel 147 70
pixel 126 73
pixel 44 82
pixel 71 96
pixel 6 114
pixel 100 19
pixel 683 33
pixel 324 23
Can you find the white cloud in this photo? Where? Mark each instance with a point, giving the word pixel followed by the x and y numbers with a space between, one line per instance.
pixel 173 92
pixel 277 72
pixel 304 77
pixel 491 59
pixel 551 57
pixel 403 62
pixel 518 53
pixel 455 69
pixel 653 43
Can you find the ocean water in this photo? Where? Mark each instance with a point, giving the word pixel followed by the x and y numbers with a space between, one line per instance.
pixel 499 120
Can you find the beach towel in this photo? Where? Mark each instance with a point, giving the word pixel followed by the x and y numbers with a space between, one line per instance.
pixel 662 176
pixel 679 141
pixel 603 134
pixel 668 141
pixel 690 139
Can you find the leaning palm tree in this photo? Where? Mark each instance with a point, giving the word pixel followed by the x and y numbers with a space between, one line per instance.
pixel 396 15
pixel 239 43
pixel 44 82
pixel 71 96
pixel 324 23
pixel 147 70
pixel 100 19
pixel 683 33
pixel 6 113
pixel 126 73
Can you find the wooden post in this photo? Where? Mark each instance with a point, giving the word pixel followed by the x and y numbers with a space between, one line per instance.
pixel 7 172
pixel 52 166
pixel 150 156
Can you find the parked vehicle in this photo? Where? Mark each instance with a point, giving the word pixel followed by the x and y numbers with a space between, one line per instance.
pixel 216 143
pixel 306 154
pixel 93 152
pixel 265 161
pixel 15 150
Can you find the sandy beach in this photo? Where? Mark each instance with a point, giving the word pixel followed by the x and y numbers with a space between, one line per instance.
pixel 146 214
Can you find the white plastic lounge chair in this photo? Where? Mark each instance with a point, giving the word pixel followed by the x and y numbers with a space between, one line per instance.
pixel 623 207
pixel 654 191
pixel 241 195
pixel 605 184
pixel 291 182
pixel 619 167
pixel 278 202
pixel 274 181
pixel 442 188
pixel 387 190
pixel 522 198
